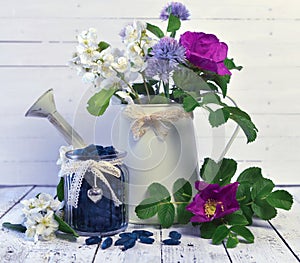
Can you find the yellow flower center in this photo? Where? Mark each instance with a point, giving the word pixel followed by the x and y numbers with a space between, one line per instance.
pixel 45 221
pixel 89 51
pixel 210 207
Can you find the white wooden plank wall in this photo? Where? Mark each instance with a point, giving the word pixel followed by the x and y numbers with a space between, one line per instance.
pixel 38 37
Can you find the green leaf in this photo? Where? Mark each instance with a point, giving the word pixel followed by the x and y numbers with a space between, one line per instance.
pixel 218 117
pixel 250 175
pixel 236 219
pixel 147 208
pixel 182 190
pixel 166 214
pixel 232 242
pixel 247 126
pixel 158 99
pixel 155 30
pixel 140 88
pixel 230 64
pixel 60 190
pixel 186 79
pixel 15 227
pixel 99 102
pixel 238 111
pixel 103 45
pixel 247 212
pixel 212 86
pixel 280 199
pixel 173 23
pixel 209 170
pixel 64 227
pixel 159 191
pixel 263 209
pixel 262 188
pixel 226 172
pixel 207 230
pixel 243 232
pixel 218 173
pixel 220 234
pixel 211 97
pixel 183 216
pixel 189 103
pixel 222 82
pixel 243 194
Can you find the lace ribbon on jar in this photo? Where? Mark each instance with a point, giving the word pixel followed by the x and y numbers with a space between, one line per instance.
pixel 78 169
pixel 158 121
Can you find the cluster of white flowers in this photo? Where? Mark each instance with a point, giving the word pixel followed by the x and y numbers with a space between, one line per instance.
pixel 112 67
pixel 39 217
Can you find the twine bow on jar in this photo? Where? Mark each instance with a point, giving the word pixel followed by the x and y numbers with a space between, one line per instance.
pixel 158 121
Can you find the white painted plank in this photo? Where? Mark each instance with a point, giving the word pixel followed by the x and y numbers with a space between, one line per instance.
pixel 250 53
pixel 287 222
pixel 15 248
pixel 267 247
pixel 256 90
pixel 192 247
pixel 140 253
pixel 10 196
pixel 147 8
pixel 43 30
pixel 37 173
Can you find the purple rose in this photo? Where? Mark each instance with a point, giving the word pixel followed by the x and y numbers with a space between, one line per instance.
pixel 213 201
pixel 205 51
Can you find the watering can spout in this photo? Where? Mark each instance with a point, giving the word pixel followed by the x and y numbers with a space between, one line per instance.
pixel 45 107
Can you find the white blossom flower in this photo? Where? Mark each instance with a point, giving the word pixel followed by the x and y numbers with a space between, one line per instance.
pixel 41 226
pixel 121 65
pixel 89 77
pixel 125 95
pixel 132 33
pixel 88 37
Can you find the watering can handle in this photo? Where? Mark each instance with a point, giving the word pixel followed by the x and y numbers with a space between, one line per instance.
pixel 233 136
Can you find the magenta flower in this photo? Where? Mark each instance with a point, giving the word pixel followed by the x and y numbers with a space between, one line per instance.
pixel 213 201
pixel 205 51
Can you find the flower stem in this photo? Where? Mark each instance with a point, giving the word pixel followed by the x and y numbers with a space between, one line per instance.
pixel 146 87
pixel 129 86
pixel 166 90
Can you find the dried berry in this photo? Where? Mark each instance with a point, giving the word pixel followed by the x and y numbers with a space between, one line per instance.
pixel 143 233
pixel 146 240
pixel 93 240
pixel 128 234
pixel 171 241
pixel 129 244
pixel 175 235
pixel 107 243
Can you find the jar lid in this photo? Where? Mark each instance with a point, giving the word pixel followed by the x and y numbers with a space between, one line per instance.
pixel 95 152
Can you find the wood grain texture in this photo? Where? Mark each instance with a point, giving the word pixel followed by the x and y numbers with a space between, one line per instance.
pixel 37 39
pixel 18 249
pixel 276 242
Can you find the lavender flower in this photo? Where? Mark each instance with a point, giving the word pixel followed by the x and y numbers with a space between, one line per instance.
pixel 213 201
pixel 169 49
pixel 176 9
pixel 161 68
pixel 166 56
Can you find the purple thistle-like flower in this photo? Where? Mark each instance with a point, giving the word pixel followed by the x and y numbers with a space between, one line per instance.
pixel 213 201
pixel 168 48
pixel 176 9
pixel 160 68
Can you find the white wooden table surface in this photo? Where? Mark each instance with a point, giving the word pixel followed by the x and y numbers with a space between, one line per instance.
pixel 275 241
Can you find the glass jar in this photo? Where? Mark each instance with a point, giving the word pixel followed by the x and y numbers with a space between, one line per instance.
pixel 96 203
